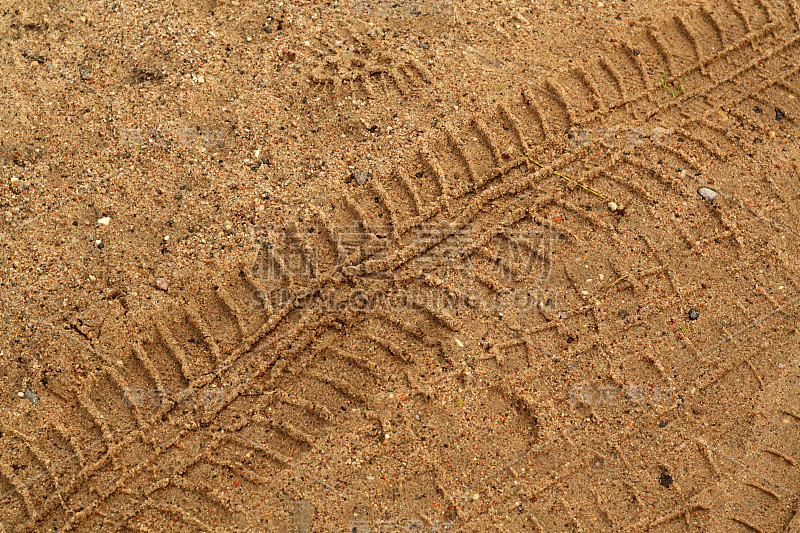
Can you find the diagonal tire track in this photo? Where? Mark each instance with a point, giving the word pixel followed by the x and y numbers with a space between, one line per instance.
pixel 502 181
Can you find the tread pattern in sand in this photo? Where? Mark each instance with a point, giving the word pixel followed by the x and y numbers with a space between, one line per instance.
pixel 355 65
pixel 237 384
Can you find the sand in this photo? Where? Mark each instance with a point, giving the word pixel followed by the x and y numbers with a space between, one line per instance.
pixel 399 266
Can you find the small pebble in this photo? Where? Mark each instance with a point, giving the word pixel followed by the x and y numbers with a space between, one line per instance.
pixel 459 342
pixel 105 221
pixel 161 283
pixel 31 397
pixel 362 176
pixel 694 314
pixel 707 194
pixel 613 206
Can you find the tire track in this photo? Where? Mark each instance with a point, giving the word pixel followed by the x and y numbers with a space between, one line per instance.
pixel 463 172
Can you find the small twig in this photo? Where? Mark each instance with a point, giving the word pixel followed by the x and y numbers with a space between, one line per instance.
pixel 559 174
pixel 618 280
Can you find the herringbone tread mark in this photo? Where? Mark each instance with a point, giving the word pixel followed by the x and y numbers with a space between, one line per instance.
pixel 598 472
pixel 757 491
pixel 190 350
pixel 584 333
pixel 627 82
pixel 353 65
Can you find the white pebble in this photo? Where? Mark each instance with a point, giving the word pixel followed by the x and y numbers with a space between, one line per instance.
pixel 105 221
pixel 613 206
pixel 707 194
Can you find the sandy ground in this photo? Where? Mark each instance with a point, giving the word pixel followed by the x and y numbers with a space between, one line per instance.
pixel 399 266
